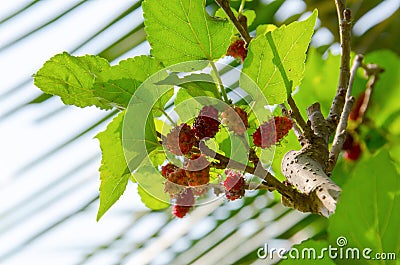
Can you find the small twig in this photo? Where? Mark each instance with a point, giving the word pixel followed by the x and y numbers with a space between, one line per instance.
pixel 340 135
pixel 244 33
pixel 297 116
pixel 220 84
pixel 296 129
pixel 241 7
pixel 168 117
pixel 259 171
pixel 344 16
pixel 373 71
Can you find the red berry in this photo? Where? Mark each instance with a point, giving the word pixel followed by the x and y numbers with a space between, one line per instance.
pixel 272 131
pixel 234 185
pixel 198 170
pixel 206 124
pixel 168 168
pixel 237 49
pixel 180 140
pixel 176 181
pixel 235 119
pixel 353 153
pixel 184 203
pixel 355 110
pixel 348 142
pixel 178 177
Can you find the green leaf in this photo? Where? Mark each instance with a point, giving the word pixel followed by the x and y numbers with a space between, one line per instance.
pixel 72 78
pixel 117 84
pixel 150 201
pixel 116 93
pixel 275 61
pixel 194 85
pixel 181 31
pixel 320 80
pixel 138 68
pixel 367 213
pixel 114 171
pixel 263 29
pixel 384 109
pixel 249 14
pixel 139 138
pixel 151 188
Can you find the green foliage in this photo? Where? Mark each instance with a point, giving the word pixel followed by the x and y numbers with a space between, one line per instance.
pixel 118 83
pixel 151 184
pixel 114 171
pixel 384 111
pixel 320 80
pixel 249 14
pixel 72 78
pixel 180 31
pixel 276 60
pixel 367 213
pixel 194 85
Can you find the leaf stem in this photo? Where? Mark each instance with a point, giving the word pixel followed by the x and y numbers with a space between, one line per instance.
pixel 220 84
pixel 224 4
pixel 168 117
pixel 297 115
pixel 241 6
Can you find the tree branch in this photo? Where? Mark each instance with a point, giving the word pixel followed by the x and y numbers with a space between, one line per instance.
pixel 297 131
pixel 340 135
pixel 373 71
pixel 297 116
pixel 244 33
pixel 344 16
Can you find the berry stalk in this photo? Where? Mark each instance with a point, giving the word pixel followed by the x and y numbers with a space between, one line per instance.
pixel 220 84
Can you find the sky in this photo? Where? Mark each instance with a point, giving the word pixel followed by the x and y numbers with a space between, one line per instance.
pixel 34 131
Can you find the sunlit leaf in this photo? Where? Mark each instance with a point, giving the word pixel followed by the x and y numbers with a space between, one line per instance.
pixel 181 31
pixel 72 78
pixel 114 171
pixel 275 61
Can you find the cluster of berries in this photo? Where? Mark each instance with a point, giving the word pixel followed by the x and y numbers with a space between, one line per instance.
pixel 183 184
pixel 182 138
pixel 272 131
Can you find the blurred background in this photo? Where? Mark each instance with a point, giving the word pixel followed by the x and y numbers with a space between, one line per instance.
pixel 49 160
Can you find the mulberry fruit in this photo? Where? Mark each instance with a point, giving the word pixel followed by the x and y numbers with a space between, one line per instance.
pixel 351 148
pixel 198 170
pixel 184 203
pixel 168 168
pixel 206 124
pixel 271 132
pixel 180 140
pixel 356 111
pixel 353 153
pixel 178 177
pixel 235 119
pixel 237 49
pixel 176 182
pixel 234 185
